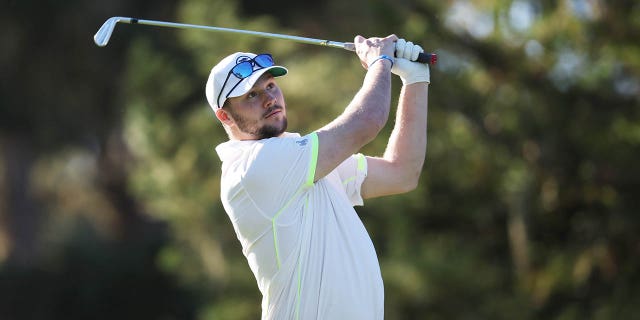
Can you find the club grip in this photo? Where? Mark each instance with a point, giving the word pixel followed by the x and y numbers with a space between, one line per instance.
pixel 430 58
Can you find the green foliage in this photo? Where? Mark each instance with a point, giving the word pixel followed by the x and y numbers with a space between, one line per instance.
pixel 526 208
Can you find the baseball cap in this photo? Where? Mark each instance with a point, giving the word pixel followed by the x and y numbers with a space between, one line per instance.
pixel 224 84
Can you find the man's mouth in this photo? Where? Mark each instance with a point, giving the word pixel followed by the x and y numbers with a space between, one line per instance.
pixel 273 112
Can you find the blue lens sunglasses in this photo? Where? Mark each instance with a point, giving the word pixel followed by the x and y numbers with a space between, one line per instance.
pixel 246 68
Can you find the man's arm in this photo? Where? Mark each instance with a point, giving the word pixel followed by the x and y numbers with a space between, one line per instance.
pixel 399 169
pixel 367 113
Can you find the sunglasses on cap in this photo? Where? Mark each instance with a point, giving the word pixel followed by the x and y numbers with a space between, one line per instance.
pixel 244 69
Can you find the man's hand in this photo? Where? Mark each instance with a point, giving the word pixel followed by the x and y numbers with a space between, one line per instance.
pixel 368 50
pixel 409 71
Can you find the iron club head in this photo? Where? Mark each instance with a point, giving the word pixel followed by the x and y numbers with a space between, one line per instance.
pixel 101 38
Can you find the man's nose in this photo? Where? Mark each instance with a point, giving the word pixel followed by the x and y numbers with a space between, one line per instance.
pixel 269 98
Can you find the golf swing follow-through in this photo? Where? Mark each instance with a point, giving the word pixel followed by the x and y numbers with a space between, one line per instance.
pixel 291 197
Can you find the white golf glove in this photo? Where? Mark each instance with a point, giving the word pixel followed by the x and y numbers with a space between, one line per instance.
pixel 405 65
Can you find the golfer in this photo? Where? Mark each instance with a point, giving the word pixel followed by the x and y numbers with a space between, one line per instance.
pixel 290 198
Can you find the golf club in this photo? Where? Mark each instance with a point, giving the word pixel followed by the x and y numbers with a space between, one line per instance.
pixel 101 38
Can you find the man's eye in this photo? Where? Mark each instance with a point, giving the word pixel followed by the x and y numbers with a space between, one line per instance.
pixel 251 94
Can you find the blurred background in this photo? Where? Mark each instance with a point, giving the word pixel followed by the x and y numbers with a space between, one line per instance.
pixel 527 207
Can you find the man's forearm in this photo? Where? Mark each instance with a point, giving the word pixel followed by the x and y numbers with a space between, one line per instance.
pixel 370 107
pixel 368 112
pixel 360 123
pixel 408 142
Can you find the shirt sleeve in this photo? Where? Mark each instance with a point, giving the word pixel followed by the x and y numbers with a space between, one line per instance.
pixel 352 173
pixel 280 169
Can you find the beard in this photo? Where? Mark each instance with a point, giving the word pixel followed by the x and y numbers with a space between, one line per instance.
pixel 260 132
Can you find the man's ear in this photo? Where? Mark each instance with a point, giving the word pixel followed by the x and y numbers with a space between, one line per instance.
pixel 223 116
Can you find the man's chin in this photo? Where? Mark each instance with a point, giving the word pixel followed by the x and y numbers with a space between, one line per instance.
pixel 267 132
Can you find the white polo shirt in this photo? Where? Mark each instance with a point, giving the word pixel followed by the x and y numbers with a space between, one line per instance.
pixel 304 242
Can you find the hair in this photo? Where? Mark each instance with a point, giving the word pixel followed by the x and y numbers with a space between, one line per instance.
pixel 226 106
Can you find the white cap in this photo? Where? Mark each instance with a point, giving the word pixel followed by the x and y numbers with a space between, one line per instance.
pixel 221 71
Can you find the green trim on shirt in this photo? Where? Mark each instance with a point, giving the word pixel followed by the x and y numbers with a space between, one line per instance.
pixel 310 177
pixel 314 158
pixel 362 167
pixel 362 162
pixel 299 271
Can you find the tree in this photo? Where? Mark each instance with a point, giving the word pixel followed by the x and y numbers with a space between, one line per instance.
pixel 527 204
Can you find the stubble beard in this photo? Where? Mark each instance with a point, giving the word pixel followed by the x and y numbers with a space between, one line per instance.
pixel 265 131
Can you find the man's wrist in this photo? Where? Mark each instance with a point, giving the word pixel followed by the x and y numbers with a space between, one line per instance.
pixel 417 73
pixel 382 58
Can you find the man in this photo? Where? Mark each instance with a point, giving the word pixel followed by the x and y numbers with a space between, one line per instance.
pixel 290 198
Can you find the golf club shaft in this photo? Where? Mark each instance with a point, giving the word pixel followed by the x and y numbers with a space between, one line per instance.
pixel 101 38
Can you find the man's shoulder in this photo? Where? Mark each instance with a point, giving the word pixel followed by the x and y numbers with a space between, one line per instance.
pixel 271 150
pixel 282 163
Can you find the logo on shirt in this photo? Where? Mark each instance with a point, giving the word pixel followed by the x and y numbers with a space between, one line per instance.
pixel 302 143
